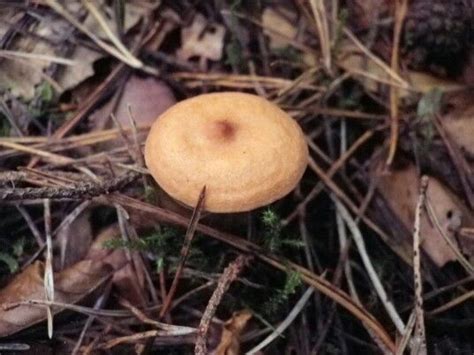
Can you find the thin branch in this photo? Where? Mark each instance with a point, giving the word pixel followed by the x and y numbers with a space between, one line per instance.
pixel 285 324
pixel 48 268
pixel 131 61
pixel 359 241
pixel 400 12
pixel 228 276
pixel 80 191
pixel 188 238
pixel 419 339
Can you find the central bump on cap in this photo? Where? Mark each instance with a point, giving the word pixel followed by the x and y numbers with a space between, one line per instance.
pixel 221 130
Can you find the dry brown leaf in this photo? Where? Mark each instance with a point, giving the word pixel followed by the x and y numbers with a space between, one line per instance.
pixel 74 241
pixel 459 121
pixel 86 57
pixel 134 11
pixel 128 277
pixel 364 13
pixel 72 285
pixel 230 338
pixel 279 26
pixel 202 39
pixel 22 75
pixel 372 76
pixel 401 189
pixel 147 98
pixel 73 75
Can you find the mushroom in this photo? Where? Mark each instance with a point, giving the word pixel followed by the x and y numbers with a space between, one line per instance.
pixel 244 149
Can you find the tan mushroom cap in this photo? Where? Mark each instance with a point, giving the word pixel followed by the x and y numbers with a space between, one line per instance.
pixel 246 150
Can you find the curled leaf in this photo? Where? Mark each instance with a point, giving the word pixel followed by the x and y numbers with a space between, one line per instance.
pixel 446 214
pixel 71 286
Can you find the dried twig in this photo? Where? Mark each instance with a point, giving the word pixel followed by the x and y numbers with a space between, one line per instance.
pixel 131 59
pixel 453 303
pixel 379 62
pixel 177 330
pixel 116 52
pixel 31 224
pixel 135 338
pixel 462 167
pixel 338 164
pixel 344 245
pixel 419 339
pixel 227 277
pixel 87 106
pixel 337 191
pixel 81 191
pixel 36 56
pixel 401 9
pixel 404 341
pixel 48 267
pixel 359 241
pixel 320 16
pixel 99 303
pixel 184 251
pixel 286 322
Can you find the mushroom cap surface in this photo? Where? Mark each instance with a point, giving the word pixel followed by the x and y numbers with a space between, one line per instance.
pixel 246 150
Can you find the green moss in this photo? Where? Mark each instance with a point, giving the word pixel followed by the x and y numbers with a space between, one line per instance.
pixel 280 298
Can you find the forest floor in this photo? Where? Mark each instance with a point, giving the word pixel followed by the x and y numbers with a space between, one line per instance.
pixel 372 252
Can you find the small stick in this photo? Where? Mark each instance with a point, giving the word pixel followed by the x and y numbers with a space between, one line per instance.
pixel 228 276
pixel 400 13
pixel 335 167
pixel 138 158
pixel 453 303
pixel 320 16
pixel 176 330
pixel 48 268
pixel 80 191
pixel 90 319
pixel 419 339
pixel 368 265
pixel 286 322
pixel 31 224
pixel 129 59
pixel 403 343
pixel 184 251
pixel 462 168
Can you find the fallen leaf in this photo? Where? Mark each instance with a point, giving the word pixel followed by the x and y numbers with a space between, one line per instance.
pixel 147 97
pixel 73 75
pixel 372 76
pixel 400 189
pixel 424 82
pixel 128 277
pixel 203 40
pixel 279 26
pixel 459 121
pixel 21 75
pixel 74 241
pixel 72 285
pixel 133 12
pixel 468 72
pixel 230 339
pixel 364 13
